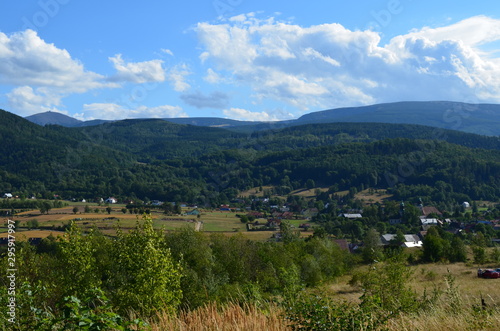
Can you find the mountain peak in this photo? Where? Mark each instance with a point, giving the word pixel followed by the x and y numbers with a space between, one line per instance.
pixel 51 117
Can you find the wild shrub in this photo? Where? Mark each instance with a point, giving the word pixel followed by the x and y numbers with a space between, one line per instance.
pixel 135 270
pixel 386 293
pixel 385 286
pixel 318 313
pixel 144 275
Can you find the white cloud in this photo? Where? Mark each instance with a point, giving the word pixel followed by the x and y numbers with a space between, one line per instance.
pixel 213 77
pixel 111 111
pixel 474 31
pixel 30 102
pixel 177 76
pixel 246 115
pixel 167 51
pixel 42 73
pixel 327 65
pixel 238 18
pixel 138 72
pixel 26 59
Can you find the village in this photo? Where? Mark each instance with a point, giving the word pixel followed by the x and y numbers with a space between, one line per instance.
pixel 255 216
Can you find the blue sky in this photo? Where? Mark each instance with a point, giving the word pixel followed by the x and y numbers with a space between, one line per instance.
pixel 242 59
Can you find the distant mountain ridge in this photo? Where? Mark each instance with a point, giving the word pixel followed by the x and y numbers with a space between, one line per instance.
pixel 51 117
pixel 474 118
pixel 481 119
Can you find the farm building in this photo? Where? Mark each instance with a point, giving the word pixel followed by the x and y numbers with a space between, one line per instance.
pixel 410 240
pixel 351 216
pixel 193 212
pixel 111 200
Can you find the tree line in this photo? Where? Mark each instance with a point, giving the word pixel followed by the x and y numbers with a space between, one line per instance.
pixel 154 159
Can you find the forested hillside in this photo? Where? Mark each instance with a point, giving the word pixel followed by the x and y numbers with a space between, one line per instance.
pixel 155 139
pixel 161 160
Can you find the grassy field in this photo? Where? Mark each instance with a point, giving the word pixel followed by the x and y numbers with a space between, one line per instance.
pixel 308 193
pixel 426 277
pixel 373 196
pixel 303 192
pixel 24 235
pixel 256 191
pixel 212 221
pixel 469 314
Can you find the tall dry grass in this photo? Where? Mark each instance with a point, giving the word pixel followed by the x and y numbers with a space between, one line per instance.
pixel 470 314
pixel 444 322
pixel 458 308
pixel 235 318
pixel 440 317
pixel 231 317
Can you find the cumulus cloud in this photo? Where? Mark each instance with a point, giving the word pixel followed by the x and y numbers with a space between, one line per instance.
pixel 43 73
pixel 138 72
pixel 216 100
pixel 27 60
pixel 246 115
pixel 177 76
pixel 112 111
pixel 473 31
pixel 29 101
pixel 328 65
pixel 213 77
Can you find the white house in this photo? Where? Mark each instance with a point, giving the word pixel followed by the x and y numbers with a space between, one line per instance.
pixel 351 216
pixel 465 204
pixel 7 195
pixel 429 221
pixel 409 241
pixel 111 200
pixel 410 244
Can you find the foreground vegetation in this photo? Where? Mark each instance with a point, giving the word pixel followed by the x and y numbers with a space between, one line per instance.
pixel 144 279
pixel 270 317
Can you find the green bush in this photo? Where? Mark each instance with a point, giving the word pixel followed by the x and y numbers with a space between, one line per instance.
pixel 385 294
pixel 317 313
pixel 144 275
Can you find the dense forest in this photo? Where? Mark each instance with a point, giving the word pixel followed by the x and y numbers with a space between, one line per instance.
pixel 91 280
pixel 155 159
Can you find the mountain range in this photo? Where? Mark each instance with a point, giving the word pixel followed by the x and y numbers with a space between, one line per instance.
pixel 158 159
pixel 481 119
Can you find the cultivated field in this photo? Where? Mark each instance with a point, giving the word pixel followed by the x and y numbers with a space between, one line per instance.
pixel 25 235
pixel 208 221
